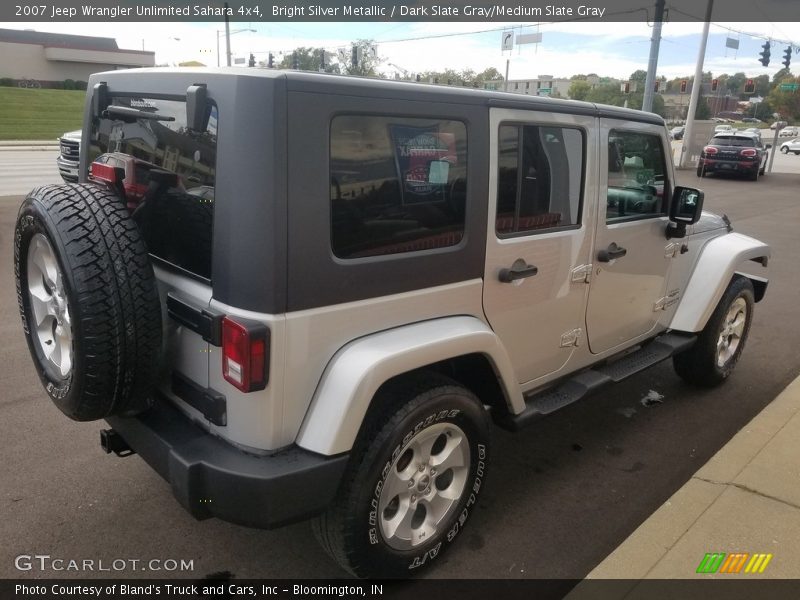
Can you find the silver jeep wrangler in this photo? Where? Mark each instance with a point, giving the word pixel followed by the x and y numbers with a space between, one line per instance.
pixel 298 295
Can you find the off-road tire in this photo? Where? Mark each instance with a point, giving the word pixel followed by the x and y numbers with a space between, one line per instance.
pixel 110 292
pixel 698 365
pixel 350 531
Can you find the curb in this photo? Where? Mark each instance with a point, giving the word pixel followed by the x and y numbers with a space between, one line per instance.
pixel 755 461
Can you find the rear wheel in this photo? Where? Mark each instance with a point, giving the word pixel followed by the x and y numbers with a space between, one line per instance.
pixel 88 301
pixel 785 150
pixel 700 171
pixel 413 479
pixel 754 175
pixel 718 348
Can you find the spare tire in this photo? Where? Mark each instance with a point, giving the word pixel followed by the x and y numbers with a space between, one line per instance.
pixel 88 300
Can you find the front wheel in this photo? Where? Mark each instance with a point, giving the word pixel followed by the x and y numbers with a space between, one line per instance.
pixel 718 348
pixel 785 150
pixel 413 479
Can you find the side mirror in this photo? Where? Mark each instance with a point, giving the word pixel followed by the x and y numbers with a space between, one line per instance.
pixel 197 108
pixel 684 209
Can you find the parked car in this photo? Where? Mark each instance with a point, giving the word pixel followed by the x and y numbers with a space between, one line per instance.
pixel 69 152
pixel 789 131
pixel 721 128
pixel 381 271
pixel 750 120
pixel 739 152
pixel 791 146
pixel 677 132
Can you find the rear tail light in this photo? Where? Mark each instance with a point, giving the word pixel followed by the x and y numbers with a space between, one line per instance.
pixel 710 150
pixel 245 354
pixel 748 152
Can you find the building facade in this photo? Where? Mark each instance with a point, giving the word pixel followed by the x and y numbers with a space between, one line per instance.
pixel 50 58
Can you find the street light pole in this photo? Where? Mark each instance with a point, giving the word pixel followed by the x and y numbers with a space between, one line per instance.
pixel 227 37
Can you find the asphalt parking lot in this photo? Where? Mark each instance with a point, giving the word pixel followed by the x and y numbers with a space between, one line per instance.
pixel 560 496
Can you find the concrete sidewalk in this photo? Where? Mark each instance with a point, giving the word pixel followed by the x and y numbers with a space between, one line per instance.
pixel 28 144
pixel 746 499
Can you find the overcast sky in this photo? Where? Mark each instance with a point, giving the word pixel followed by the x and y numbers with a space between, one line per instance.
pixel 608 49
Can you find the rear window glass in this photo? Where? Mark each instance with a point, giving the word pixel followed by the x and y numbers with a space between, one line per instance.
pixel 170 174
pixel 397 184
pixel 732 141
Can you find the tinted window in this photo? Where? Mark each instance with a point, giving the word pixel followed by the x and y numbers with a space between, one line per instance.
pixel 397 185
pixel 733 141
pixel 539 180
pixel 176 224
pixel 636 176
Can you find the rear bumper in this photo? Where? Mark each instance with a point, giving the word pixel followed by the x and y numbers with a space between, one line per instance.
pixel 711 165
pixel 211 478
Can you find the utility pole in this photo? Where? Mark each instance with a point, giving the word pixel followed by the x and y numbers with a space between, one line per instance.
pixel 227 37
pixel 696 87
pixel 652 63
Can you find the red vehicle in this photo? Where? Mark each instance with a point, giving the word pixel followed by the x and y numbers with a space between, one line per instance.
pixel 130 175
pixel 734 153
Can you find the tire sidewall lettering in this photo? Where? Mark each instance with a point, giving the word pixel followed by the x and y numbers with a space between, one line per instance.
pixel 469 496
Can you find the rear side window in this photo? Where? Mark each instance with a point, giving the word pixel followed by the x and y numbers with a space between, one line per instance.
pixel 539 179
pixel 170 174
pixel 397 184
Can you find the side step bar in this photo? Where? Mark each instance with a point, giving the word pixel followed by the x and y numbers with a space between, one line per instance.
pixel 582 384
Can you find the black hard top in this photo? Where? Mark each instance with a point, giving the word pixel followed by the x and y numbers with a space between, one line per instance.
pixel 363 86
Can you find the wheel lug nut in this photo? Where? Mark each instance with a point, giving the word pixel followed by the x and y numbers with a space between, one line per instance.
pixel 410 483
pixel 413 498
pixel 433 471
pixel 421 468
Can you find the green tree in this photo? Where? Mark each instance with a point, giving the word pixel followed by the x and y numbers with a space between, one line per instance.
pixel 369 60
pixel 786 102
pixel 639 75
pixel 308 59
pixel 579 89
pixel 703 111
pixel 735 83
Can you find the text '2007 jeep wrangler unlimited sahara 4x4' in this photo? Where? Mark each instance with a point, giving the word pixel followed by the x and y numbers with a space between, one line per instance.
pixel 328 286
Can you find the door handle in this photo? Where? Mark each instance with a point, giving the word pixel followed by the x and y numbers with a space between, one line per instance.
pixel 519 270
pixel 613 251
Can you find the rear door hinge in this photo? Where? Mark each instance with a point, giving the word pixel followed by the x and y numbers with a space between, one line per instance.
pixel 571 338
pixel 581 274
pixel 667 301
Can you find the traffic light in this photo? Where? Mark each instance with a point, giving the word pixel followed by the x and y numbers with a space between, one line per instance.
pixel 271 61
pixel 354 57
pixel 749 86
pixel 787 57
pixel 252 61
pixel 322 59
pixel 295 61
pixel 714 85
pixel 655 85
pixel 684 86
pixel 764 54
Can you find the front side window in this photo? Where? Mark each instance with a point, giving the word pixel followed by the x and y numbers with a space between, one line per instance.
pixel 397 184
pixel 636 176
pixel 539 179
pixel 170 174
